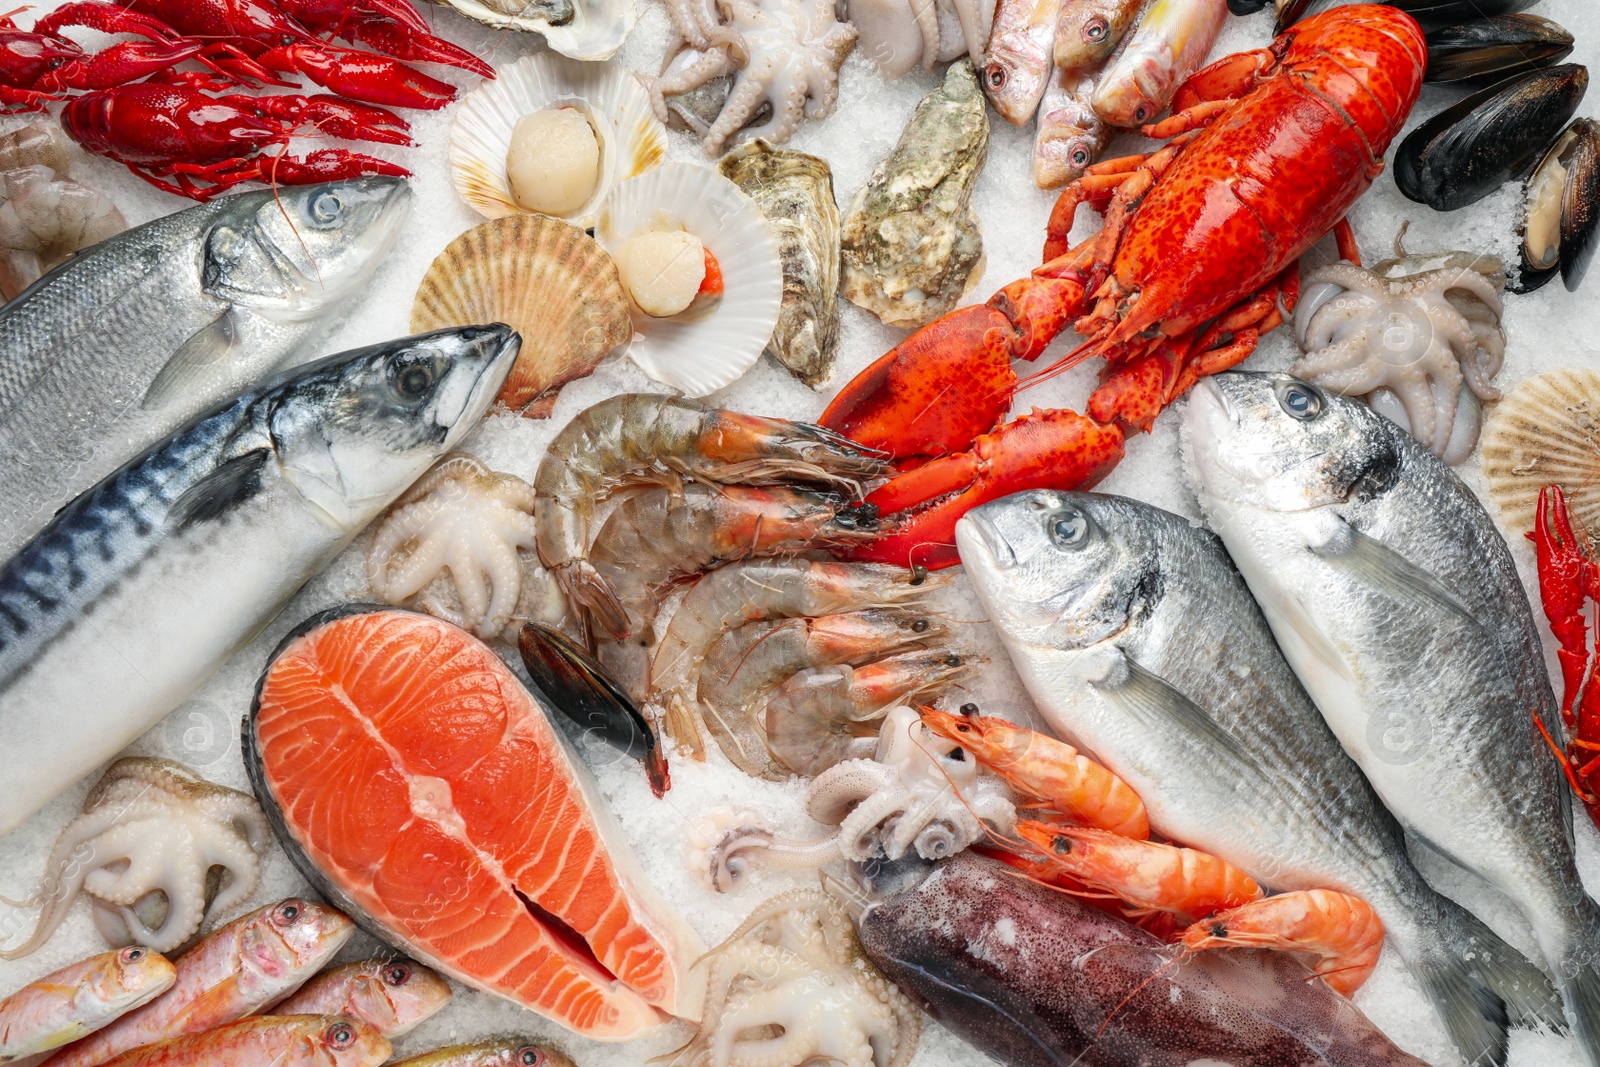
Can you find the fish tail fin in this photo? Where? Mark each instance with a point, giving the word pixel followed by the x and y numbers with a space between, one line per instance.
pixel 1578 977
pixel 1480 986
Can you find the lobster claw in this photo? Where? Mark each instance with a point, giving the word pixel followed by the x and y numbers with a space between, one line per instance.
pixel 363 76
pixel 339 118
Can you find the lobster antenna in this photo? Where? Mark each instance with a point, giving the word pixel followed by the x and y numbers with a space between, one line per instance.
pixel 1060 366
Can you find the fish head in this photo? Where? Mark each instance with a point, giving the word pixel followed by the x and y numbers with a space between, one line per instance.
pixel 1013 79
pixel 291 940
pixel 1057 569
pixel 407 992
pixel 352 431
pixel 290 254
pixel 343 1041
pixel 132 975
pixel 1086 35
pixel 1137 98
pixel 1271 442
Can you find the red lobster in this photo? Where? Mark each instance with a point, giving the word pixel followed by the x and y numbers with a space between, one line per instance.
pixel 1198 257
pixel 1569 578
pixel 177 137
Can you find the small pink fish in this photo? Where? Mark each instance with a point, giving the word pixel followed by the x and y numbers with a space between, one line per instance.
pixel 392 995
pixel 1070 136
pixel 1088 31
pixel 502 1052
pixel 1018 62
pixel 78 1000
pixel 269 1041
pixel 1172 42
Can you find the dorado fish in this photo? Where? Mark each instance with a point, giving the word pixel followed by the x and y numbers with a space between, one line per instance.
pixel 1017 64
pixel 130 339
pixel 137 592
pixel 79 999
pixel 1035 978
pixel 1139 640
pixel 1397 603
pixel 1070 135
pixel 1172 41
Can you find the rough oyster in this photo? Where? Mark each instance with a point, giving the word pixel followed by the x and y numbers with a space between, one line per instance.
pixel 795 192
pixel 911 244
pixel 582 29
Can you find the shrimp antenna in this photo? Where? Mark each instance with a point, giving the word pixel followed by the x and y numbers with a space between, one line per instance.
pixel 1179 958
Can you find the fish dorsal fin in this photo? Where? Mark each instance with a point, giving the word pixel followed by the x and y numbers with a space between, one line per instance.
pixel 1153 702
pixel 219 492
pixel 1379 567
pixel 203 352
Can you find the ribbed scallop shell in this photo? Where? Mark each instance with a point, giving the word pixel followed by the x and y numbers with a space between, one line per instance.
pixel 1546 431
pixel 545 279
pixel 702 354
pixel 632 140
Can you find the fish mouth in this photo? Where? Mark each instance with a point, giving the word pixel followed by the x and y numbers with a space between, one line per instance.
pixel 979 541
pixel 485 388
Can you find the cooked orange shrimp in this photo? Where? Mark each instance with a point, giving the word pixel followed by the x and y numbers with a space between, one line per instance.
pixel 1342 931
pixel 746 665
pixel 644 437
pixel 747 592
pixel 1046 770
pixel 1147 875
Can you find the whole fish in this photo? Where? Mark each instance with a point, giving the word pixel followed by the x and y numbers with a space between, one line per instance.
pixel 1070 135
pixel 393 996
pixel 269 1041
pixel 129 600
pixel 79 999
pixel 1396 601
pixel 1017 64
pixel 235 971
pixel 130 339
pixel 1088 31
pixel 1036 979
pixel 501 1052
pixel 1139 641
pixel 1172 42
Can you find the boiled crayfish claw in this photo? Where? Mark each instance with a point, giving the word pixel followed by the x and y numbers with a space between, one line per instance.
pixel 1569 578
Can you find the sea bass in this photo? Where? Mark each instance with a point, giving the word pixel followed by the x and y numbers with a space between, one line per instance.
pixel 1069 135
pixel 137 592
pixel 79 999
pixel 233 972
pixel 1017 64
pixel 1172 41
pixel 1138 639
pixel 1397 603
pixel 1088 31
pixel 269 1041
pixel 1036 979
pixel 130 339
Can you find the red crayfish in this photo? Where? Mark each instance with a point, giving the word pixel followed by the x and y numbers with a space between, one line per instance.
pixel 1197 259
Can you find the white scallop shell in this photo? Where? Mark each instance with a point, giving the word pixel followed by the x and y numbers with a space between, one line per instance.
pixel 702 354
pixel 1545 432
pixel 632 139
pixel 597 29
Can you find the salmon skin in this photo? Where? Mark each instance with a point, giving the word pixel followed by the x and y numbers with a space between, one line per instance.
pixel 473 839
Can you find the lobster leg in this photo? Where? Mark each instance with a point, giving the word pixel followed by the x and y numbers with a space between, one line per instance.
pixel 338 117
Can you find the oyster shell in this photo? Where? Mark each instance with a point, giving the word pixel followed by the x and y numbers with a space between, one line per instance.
pixel 631 140
pixel 795 193
pixel 911 244
pixel 549 281
pixel 700 353
pixel 582 29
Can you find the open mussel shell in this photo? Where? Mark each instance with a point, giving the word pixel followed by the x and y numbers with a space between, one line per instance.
pixel 1435 13
pixel 1496 48
pixel 1466 152
pixel 1246 7
pixel 1558 234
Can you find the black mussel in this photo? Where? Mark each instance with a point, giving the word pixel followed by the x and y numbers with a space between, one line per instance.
pixel 1435 13
pixel 576 683
pixel 1466 152
pixel 1496 48
pixel 1246 7
pixel 1563 194
pixel 1292 11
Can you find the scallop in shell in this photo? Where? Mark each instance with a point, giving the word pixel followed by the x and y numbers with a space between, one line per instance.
pixel 631 139
pixel 545 279
pixel 582 29
pixel 700 353
pixel 1546 432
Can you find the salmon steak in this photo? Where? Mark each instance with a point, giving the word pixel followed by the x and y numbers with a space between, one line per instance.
pixel 420 785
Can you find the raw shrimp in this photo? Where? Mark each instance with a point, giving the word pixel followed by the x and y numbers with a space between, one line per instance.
pixel 79 999
pixel 637 437
pixel 747 592
pixel 36 144
pixel 1342 931
pixel 44 219
pixel 747 663
pixel 1147 875
pixel 824 715
pixel 1046 770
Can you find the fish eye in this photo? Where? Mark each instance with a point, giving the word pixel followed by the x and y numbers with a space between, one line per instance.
pixel 397 974
pixel 414 380
pixel 996 75
pixel 1069 528
pixel 287 913
pixel 529 1056
pixel 1080 155
pixel 1141 113
pixel 1096 29
pixel 1300 401
pixel 969 709
pixel 920 626
pixel 326 208
pixel 132 955
pixel 341 1035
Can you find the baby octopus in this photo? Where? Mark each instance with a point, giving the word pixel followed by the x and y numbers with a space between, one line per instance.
pixel 159 850
pixel 784 56
pixel 792 986
pixel 1407 334
pixel 464 518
